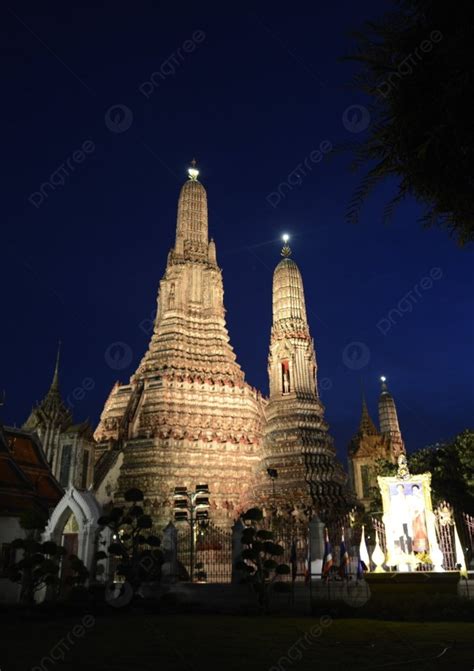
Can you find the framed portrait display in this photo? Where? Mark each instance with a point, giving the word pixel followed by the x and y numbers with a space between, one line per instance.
pixel 409 520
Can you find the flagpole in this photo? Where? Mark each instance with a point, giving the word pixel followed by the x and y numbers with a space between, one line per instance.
pixel 310 567
pixel 294 565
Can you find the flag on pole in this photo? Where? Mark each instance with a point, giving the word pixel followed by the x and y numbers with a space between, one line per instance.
pixel 344 563
pixel 327 558
pixel 360 569
pixel 293 561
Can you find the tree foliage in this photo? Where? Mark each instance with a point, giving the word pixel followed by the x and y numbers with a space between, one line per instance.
pixel 451 466
pixel 78 571
pixel 417 67
pixel 133 543
pixel 260 557
pixel 385 468
pixel 38 566
pixel 40 563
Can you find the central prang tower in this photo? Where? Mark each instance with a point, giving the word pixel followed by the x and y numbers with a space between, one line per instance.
pixel 297 445
pixel 187 416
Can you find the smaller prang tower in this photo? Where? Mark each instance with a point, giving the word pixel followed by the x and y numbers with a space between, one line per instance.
pixel 388 420
pixel 299 455
pixel 369 445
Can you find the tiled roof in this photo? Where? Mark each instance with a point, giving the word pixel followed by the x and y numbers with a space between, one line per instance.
pixel 26 480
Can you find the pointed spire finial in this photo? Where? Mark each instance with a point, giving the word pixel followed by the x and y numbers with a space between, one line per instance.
pixel 364 404
pixel 383 380
pixel 286 251
pixel 366 424
pixel 55 382
pixel 193 172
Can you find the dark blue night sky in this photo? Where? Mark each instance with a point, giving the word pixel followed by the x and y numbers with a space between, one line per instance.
pixel 251 91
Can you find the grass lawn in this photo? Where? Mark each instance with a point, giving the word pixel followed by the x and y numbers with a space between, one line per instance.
pixel 203 643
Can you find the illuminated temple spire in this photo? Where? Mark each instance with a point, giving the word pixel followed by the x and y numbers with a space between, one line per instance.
pixel 290 332
pixel 192 222
pixel 297 444
pixel 388 419
pixel 188 416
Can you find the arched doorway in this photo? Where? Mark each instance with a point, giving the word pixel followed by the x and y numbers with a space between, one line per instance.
pixel 73 524
pixel 70 542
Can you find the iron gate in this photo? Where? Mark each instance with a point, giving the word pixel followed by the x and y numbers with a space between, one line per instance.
pixel 209 558
pixel 293 536
pixel 295 550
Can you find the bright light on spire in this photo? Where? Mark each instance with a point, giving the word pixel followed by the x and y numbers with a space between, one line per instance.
pixel 193 172
pixel 286 251
pixel 383 378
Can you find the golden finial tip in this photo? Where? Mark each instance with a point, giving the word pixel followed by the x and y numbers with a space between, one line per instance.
pixel 193 172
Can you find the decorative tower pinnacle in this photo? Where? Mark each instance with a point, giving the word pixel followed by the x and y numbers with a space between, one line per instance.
pixel 296 442
pixel 52 408
pixel 366 447
pixel 289 315
pixel 192 223
pixel 292 365
pixel 51 416
pixel 366 425
pixel 68 447
pixel 286 251
pixel 193 172
pixel 388 420
pixel 55 382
